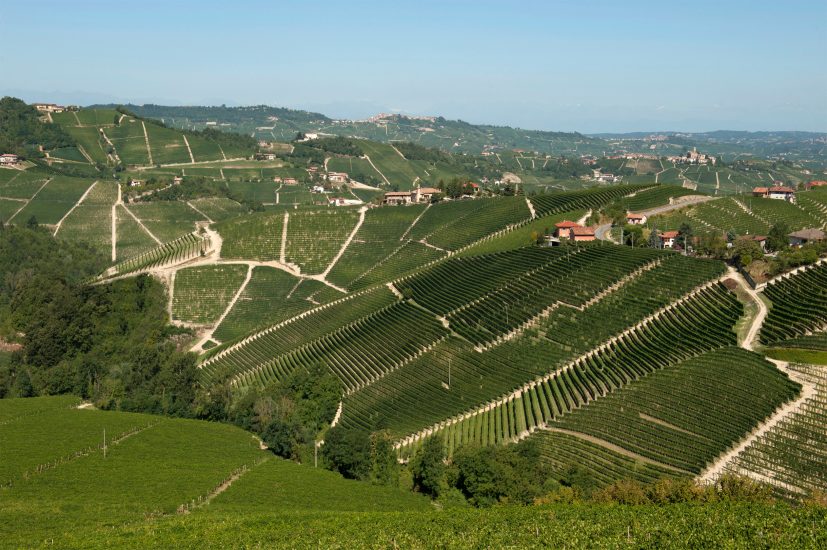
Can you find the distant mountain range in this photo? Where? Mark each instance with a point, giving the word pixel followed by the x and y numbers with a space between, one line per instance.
pixel 282 124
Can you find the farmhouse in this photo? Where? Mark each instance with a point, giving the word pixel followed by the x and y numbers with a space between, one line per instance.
pixel 277 179
pixel 134 183
pixel 397 197
pixel 424 194
pixel 816 183
pixel 761 240
pixel 265 156
pixel 317 189
pixel 563 229
pixel 760 191
pixel 583 233
pixel 337 177
pixel 783 193
pixel 48 107
pixel 805 236
pixel 177 180
pixel 470 189
pixel 635 219
pixel 668 239
pixel 291 181
pixel 8 159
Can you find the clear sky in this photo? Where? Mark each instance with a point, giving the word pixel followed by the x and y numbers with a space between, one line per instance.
pixel 585 65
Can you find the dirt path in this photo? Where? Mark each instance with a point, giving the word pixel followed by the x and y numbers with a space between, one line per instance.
pixel 145 228
pixel 66 215
pixel 223 486
pixel 85 154
pixel 808 390
pixel 283 250
pixel 366 157
pixel 531 208
pixel 198 347
pixel 146 139
pixel 584 217
pixel 30 199
pixel 398 152
pixel 206 217
pixel 717 183
pixel 189 150
pixel 347 242
pixel 114 153
pixel 616 448
pixel 408 230
pixel 118 201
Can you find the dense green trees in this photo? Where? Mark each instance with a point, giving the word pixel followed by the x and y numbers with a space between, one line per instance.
pixel 21 130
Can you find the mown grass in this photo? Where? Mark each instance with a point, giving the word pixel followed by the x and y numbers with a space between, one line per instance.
pixel 798 355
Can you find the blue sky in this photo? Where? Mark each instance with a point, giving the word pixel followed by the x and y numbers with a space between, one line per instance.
pixel 589 65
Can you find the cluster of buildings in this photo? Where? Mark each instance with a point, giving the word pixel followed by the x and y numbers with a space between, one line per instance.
pixel 572 231
pixel 693 157
pixel 778 192
pixel 414 196
pixel 598 175
pixel 49 107
pixel 9 159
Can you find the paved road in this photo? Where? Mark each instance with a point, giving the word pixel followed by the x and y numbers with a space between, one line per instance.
pixel 603 232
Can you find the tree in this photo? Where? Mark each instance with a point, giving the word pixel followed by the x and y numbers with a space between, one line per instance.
pixel 428 468
pixel 777 237
pixel 348 452
pixel 31 223
pixel 384 466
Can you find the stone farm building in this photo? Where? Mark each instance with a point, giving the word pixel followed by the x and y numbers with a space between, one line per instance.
pixel 48 107
pixel 418 195
pixel 337 177
pixel 8 159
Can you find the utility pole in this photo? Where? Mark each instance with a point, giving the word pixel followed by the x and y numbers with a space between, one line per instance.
pixel 104 443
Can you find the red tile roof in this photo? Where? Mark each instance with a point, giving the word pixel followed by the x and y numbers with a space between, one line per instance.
pixel 669 235
pixel 582 231
pixel 631 216
pixel 781 189
pixel 761 190
pixel 566 224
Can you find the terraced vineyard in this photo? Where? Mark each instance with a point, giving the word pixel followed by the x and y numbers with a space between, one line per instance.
pixel 314 236
pixel 685 416
pixel 91 221
pixel 630 357
pixel 792 456
pixel 491 215
pixel 586 199
pixel 184 248
pixel 656 196
pixel 566 452
pixel 167 220
pixel 201 294
pixel 420 393
pixel 53 201
pixel 264 346
pixel 255 237
pixel 218 208
pixel 799 305
pixel 271 296
pixel 379 236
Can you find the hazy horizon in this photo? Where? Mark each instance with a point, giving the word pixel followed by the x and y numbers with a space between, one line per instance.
pixel 591 67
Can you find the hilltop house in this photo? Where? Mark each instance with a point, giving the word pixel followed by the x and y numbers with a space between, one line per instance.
pixel 9 159
pixel 668 239
pixel 635 219
pixel 397 197
pixel 48 107
pixel 805 236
